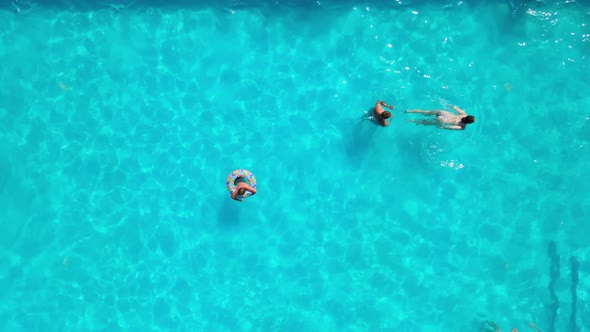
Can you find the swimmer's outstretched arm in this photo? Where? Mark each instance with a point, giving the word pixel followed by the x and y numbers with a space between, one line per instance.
pixel 458 110
pixel 453 128
pixel 385 104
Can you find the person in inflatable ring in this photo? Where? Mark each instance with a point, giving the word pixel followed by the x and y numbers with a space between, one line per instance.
pixel 241 187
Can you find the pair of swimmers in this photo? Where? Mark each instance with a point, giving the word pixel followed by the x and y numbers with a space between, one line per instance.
pixel 239 183
pixel 443 119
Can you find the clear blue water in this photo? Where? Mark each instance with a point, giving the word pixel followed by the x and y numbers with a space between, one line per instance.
pixel 119 124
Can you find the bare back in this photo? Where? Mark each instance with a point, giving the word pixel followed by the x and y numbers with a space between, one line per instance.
pixel 445 118
pixel 378 113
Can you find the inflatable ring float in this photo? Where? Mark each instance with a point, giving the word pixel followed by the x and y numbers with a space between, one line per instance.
pixel 231 184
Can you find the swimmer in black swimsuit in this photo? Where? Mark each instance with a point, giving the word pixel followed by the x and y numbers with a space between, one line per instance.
pixel 445 119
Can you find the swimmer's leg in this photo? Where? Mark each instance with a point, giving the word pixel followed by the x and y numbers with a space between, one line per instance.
pixel 423 122
pixel 423 112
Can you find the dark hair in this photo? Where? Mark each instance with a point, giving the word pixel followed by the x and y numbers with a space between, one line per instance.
pixel 241 191
pixel 468 119
pixel 386 115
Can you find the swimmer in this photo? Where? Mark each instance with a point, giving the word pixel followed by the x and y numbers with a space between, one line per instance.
pixel 445 119
pixel 241 187
pixel 380 115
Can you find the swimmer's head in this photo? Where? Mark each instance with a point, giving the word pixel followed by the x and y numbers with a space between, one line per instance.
pixel 386 115
pixel 468 119
pixel 241 191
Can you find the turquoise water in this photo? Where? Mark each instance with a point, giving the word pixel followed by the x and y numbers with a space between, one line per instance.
pixel 119 125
